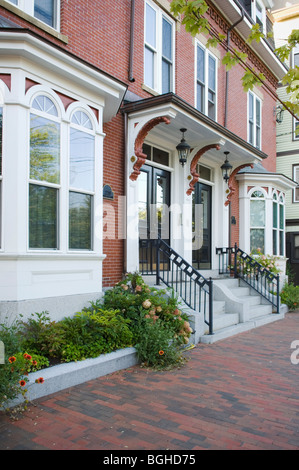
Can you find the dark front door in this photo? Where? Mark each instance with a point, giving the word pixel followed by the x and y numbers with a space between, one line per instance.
pixel 154 201
pixel 202 226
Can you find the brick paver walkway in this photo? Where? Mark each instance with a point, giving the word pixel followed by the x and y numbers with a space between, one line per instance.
pixel 240 393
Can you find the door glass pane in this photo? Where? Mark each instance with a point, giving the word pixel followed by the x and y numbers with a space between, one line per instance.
pixel 44 11
pixel 142 204
pixel 42 217
pixel 162 214
pixel 150 34
pixel 81 160
pixel 44 150
pixel 80 215
pixel 1 122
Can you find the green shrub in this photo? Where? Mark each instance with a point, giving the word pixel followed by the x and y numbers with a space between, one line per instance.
pixel 290 296
pixel 91 333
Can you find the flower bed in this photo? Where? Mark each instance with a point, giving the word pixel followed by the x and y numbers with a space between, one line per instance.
pixel 131 317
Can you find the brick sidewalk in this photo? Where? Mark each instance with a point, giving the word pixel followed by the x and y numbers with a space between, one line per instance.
pixel 240 393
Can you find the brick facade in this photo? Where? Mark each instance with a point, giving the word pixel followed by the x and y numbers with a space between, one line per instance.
pixel 101 37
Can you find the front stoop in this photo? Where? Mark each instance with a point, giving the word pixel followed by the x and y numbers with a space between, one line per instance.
pixel 237 308
pixel 251 309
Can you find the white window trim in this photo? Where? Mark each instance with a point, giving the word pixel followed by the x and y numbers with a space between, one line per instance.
pixel 158 50
pixel 255 98
pixel 295 170
pixel 295 137
pixel 254 13
pixel 27 6
pixel 206 83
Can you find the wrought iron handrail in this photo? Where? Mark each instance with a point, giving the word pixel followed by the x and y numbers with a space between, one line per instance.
pixel 235 261
pixel 175 272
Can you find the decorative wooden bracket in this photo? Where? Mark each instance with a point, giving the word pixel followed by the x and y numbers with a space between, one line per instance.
pixel 194 163
pixel 141 157
pixel 232 182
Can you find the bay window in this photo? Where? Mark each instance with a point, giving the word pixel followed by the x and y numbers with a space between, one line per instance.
pixel 158 50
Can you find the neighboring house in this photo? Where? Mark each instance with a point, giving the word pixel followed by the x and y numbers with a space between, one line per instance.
pixel 94 97
pixel 287 19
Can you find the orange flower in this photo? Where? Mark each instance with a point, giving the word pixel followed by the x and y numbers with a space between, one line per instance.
pixel 161 352
pixel 40 380
pixel 22 383
pixel 12 359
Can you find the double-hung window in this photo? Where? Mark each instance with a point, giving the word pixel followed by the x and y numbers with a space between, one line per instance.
pixel 206 82
pixel 296 178
pixel 81 182
pixel 254 120
pixel 44 174
pixel 46 11
pixel 158 50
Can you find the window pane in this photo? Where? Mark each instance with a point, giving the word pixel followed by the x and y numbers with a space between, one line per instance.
pixel 257 240
pixel 274 242
pixel 200 64
pixel 42 217
pixel 281 216
pixel 80 213
pixel 166 76
pixel 250 107
pixel 149 67
pixel 281 243
pixel 44 150
pixel 160 156
pixel 258 112
pixel 257 213
pixel 44 11
pixel 43 103
pixel 81 118
pixel 167 39
pixel 212 74
pixel 150 34
pixel 200 98
pixel 1 121
pixel 258 137
pixel 275 221
pixel 81 160
pixel 211 105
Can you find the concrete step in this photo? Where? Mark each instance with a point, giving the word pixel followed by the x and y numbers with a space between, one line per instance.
pixel 223 320
pixel 260 311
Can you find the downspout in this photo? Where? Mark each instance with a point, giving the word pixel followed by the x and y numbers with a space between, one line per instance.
pixel 132 28
pixel 226 110
pixel 227 73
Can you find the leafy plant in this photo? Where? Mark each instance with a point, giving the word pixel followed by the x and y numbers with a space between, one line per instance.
pixel 290 296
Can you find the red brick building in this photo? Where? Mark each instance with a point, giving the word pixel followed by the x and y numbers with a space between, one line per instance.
pixel 94 96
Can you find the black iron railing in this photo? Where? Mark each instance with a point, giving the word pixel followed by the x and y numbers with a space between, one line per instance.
pixel 233 260
pixel 176 273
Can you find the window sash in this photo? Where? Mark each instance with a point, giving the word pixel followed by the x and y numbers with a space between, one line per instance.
pixel 206 82
pixel 43 217
pixel 158 50
pixel 80 221
pixel 254 120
